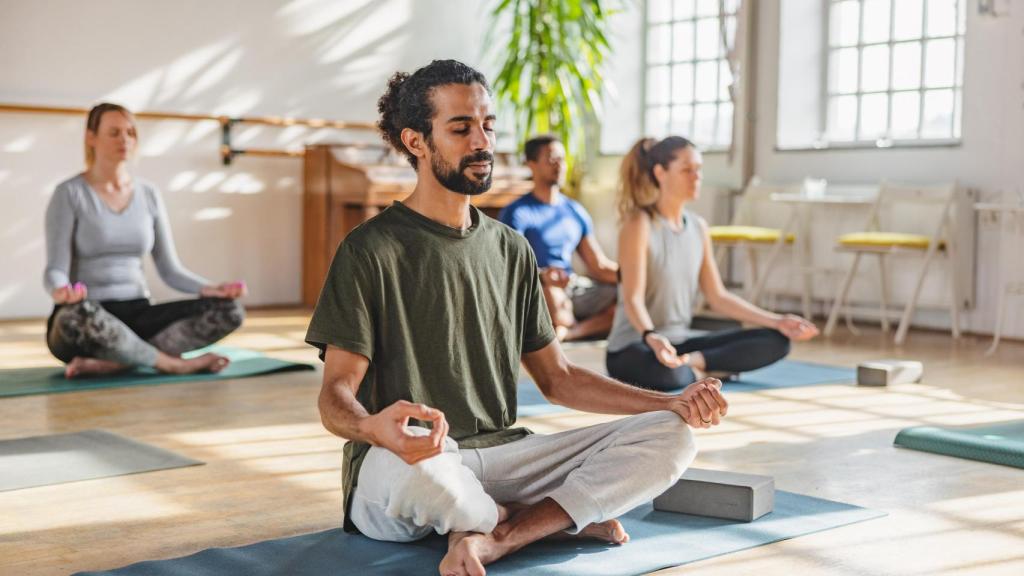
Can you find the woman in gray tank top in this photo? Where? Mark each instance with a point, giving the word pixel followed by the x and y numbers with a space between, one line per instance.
pixel 99 225
pixel 665 256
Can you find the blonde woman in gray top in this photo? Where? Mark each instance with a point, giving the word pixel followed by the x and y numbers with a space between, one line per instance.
pixel 665 256
pixel 99 225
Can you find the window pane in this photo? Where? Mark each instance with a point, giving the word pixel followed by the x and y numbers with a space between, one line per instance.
pixel 961 17
pixel 659 11
pixel 844 23
pixel 724 136
pixel 960 62
pixel 874 116
pixel 682 41
pixel 658 44
pixel 731 6
pixel 704 124
pixel 940 58
pixel 657 122
pixel 906 65
pixel 682 83
pixel 657 85
pixel 941 17
pixel 842 118
pixel 875 69
pixel 876 21
pixel 724 80
pixel 906 106
pixel 682 121
pixel 908 19
pixel 708 44
pixel 938 114
pixel 707 7
pixel 683 9
pixel 843 71
pixel 707 81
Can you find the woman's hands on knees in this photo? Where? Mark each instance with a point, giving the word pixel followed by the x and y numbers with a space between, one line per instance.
pixel 230 290
pixel 701 404
pixel 796 328
pixel 665 352
pixel 70 294
pixel 388 429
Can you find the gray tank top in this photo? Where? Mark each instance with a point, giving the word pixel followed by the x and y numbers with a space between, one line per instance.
pixel 674 259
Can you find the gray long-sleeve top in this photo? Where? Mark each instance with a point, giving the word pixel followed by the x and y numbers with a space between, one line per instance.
pixel 88 242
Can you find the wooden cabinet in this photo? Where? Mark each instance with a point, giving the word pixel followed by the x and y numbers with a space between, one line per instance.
pixel 340 193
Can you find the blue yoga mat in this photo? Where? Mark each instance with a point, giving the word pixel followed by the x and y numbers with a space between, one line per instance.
pixel 790 374
pixel 995 443
pixel 47 380
pixel 658 540
pixel 782 374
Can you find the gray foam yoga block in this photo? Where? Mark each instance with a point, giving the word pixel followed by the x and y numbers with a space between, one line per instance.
pixel 889 372
pixel 719 494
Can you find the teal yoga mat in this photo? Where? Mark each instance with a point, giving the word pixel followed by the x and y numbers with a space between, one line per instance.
pixel 658 540
pixel 995 443
pixel 782 374
pixel 244 363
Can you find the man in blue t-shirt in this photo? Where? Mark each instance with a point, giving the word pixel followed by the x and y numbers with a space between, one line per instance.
pixel 556 226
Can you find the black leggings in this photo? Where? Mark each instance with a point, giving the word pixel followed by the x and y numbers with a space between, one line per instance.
pixel 132 331
pixel 724 351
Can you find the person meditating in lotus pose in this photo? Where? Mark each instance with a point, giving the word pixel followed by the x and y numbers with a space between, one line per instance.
pixel 665 256
pixel 425 315
pixel 99 225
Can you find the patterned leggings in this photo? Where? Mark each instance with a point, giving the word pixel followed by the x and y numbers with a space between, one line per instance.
pixel 131 332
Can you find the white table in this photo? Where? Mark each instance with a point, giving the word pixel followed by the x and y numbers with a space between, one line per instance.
pixel 1011 224
pixel 799 223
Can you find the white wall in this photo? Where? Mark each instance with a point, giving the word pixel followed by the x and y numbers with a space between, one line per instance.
pixel 303 58
pixel 989 158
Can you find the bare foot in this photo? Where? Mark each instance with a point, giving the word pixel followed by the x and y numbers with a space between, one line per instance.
pixel 208 362
pixel 467 554
pixel 82 367
pixel 608 531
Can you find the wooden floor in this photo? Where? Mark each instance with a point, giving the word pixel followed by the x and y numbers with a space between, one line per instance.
pixel 272 471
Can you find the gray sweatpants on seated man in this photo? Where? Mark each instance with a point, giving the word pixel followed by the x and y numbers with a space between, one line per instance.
pixel 595 474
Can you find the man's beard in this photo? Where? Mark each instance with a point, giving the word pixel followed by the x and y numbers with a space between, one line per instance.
pixel 454 179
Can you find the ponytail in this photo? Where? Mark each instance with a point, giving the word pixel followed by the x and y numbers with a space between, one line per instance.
pixel 638 188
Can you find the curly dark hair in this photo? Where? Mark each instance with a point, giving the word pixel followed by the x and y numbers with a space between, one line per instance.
pixel 406 102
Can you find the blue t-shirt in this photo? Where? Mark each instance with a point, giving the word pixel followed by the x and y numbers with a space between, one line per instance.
pixel 553 230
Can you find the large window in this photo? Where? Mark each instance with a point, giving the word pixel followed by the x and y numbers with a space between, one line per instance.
pixel 687 71
pixel 895 71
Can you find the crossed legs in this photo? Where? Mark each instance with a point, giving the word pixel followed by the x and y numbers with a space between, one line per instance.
pixel 493 501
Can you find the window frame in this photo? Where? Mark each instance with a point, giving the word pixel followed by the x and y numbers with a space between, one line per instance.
pixel 721 59
pixel 885 141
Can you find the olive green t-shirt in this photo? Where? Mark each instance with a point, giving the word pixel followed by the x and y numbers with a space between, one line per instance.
pixel 442 314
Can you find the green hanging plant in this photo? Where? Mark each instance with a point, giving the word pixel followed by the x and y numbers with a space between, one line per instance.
pixel 552 69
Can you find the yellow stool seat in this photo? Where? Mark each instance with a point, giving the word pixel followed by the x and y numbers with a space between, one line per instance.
pixel 731 234
pixel 885 240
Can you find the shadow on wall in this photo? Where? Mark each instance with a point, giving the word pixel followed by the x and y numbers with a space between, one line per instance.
pixel 305 58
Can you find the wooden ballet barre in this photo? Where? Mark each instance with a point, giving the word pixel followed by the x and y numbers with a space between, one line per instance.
pixel 281 121
pixel 227 152
pixel 262 152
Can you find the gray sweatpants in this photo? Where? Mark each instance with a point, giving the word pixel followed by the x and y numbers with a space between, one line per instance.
pixel 595 474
